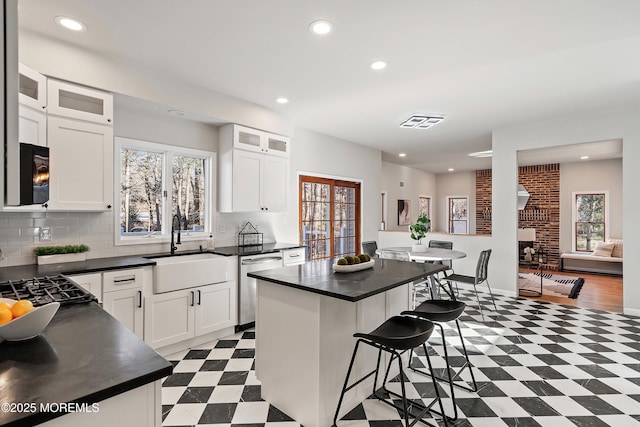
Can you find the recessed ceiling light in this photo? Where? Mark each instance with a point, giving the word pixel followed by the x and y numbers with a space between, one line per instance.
pixel 282 100
pixel 584 157
pixel 378 65
pixel 176 112
pixel 451 169
pixel 420 121
pixel 487 153
pixel 320 27
pixel 402 155
pixel 70 23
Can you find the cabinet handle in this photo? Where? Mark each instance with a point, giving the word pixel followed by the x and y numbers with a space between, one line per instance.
pixel 193 298
pixel 199 297
pixel 45 205
pixel 140 300
pixel 124 280
pixel 108 206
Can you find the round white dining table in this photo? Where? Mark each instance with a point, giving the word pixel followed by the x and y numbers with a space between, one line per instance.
pixel 430 254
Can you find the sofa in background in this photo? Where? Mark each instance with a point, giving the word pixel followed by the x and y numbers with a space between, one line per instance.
pixel 606 258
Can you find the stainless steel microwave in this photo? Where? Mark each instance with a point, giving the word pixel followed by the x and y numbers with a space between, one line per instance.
pixel 34 174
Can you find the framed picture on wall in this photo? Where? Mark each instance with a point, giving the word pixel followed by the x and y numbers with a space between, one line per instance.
pixel 404 212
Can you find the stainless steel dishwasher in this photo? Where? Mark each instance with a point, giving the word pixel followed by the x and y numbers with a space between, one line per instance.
pixel 247 291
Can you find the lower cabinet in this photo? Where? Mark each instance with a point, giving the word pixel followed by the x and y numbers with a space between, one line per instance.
pixel 126 306
pixel 91 282
pixel 177 316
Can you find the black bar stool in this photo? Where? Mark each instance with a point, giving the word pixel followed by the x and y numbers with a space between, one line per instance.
pixel 395 336
pixel 441 311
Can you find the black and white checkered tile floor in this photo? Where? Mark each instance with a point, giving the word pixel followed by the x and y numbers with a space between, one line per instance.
pixel 537 364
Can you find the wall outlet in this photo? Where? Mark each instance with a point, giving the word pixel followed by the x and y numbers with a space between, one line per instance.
pixel 45 234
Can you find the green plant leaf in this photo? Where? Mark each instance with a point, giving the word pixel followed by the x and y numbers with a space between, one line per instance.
pixel 56 250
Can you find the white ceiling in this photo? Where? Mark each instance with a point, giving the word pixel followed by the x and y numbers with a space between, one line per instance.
pixel 483 65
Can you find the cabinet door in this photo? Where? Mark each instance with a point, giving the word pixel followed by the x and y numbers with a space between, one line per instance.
pixel 246 181
pixel 274 183
pixel 276 145
pixel 81 165
pixel 91 282
pixel 79 102
pixel 169 317
pixel 216 307
pixel 33 88
pixel 248 139
pixel 126 306
pixel 32 126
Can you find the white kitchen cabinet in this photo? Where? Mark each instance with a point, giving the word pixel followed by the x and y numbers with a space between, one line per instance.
pixel 255 140
pixel 258 183
pixel 91 282
pixel 122 297
pixel 33 89
pixel 126 306
pixel 177 316
pixel 216 307
pixel 81 164
pixel 32 125
pixel 79 102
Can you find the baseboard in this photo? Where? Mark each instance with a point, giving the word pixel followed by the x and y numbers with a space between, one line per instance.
pixel 483 288
pixel 631 311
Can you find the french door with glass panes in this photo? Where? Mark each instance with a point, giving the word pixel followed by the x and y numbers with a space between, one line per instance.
pixel 329 217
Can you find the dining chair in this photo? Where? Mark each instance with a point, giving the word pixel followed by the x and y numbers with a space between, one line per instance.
pixel 398 255
pixel 444 244
pixel 481 276
pixel 370 247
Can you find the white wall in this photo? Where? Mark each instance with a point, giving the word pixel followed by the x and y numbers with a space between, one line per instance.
pixel 599 175
pixel 317 154
pixel 416 183
pixel 613 124
pixel 455 184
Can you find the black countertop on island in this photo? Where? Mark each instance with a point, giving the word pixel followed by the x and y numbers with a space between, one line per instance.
pixel 84 355
pixel 319 277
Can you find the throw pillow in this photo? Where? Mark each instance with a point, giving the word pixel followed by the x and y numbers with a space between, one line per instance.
pixel 603 249
pixel 617 248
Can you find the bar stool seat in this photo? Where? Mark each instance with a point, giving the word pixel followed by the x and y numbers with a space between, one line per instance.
pixel 395 335
pixel 442 311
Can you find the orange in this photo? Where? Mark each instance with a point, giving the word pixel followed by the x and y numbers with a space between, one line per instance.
pixel 20 308
pixel 5 315
pixel 5 305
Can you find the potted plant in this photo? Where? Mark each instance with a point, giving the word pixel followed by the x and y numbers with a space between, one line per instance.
pixel 419 230
pixel 57 254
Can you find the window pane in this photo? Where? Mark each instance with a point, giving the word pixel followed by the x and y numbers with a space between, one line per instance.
pixel 423 206
pixel 588 234
pixel 189 192
pixel 590 207
pixel 141 192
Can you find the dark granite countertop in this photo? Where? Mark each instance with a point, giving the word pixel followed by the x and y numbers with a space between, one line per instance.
pixel 84 355
pixel 88 266
pixel 319 277
pixel 253 250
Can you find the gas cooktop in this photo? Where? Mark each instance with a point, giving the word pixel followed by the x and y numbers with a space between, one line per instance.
pixel 45 289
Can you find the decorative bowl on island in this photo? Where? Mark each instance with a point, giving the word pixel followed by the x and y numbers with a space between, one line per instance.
pixel 29 325
pixel 353 267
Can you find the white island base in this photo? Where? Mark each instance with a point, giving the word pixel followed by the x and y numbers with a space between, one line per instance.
pixel 304 342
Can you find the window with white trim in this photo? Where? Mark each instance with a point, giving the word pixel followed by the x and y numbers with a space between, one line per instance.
pixel 158 181
pixel 589 219
pixel 457 212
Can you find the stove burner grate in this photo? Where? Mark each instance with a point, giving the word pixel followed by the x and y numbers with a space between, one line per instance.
pixel 45 289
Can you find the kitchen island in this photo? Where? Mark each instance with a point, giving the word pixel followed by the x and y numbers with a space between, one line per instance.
pixel 305 321
pixel 85 361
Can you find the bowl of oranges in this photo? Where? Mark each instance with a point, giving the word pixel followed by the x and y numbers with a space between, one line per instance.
pixel 20 320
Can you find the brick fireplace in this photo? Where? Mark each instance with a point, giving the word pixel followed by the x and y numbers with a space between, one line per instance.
pixel 542 211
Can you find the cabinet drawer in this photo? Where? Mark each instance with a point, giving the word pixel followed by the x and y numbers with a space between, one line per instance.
pixel 293 256
pixel 122 279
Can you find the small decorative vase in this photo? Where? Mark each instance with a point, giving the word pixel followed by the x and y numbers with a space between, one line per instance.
pixel 419 248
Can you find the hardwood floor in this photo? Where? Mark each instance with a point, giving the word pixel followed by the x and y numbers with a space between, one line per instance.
pixel 600 292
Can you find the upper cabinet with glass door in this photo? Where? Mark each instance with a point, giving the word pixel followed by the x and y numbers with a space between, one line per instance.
pixel 79 102
pixel 33 88
pixel 245 138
